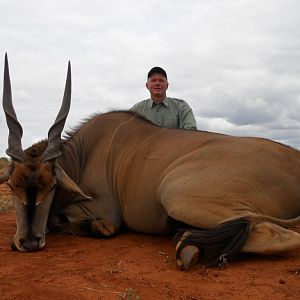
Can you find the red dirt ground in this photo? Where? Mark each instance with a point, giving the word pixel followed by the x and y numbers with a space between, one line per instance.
pixel 134 266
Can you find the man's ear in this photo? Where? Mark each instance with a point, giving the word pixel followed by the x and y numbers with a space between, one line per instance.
pixel 66 182
pixel 147 86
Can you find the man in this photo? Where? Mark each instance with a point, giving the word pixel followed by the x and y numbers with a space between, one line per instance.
pixel 162 110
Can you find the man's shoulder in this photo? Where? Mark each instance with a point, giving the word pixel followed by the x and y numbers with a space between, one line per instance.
pixel 178 101
pixel 139 104
pixel 143 101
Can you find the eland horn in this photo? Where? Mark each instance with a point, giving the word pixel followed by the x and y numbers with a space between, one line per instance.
pixel 54 133
pixel 14 149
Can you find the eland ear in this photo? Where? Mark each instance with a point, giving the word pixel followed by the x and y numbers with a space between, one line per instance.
pixel 66 182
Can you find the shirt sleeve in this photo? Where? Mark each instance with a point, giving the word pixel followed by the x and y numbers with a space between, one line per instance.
pixel 138 108
pixel 134 108
pixel 186 117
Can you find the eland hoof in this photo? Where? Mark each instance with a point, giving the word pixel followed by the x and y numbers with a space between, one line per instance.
pixel 102 227
pixel 188 257
pixel 13 246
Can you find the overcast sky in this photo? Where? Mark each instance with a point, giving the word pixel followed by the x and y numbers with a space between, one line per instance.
pixel 237 63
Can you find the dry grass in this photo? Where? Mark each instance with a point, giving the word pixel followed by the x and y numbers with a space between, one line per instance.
pixel 5 204
pixel 3 162
pixel 5 195
pixel 5 198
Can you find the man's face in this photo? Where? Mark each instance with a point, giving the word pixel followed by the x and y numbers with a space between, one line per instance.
pixel 157 85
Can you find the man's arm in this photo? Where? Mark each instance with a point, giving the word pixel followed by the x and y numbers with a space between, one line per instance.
pixel 186 117
pixel 134 107
pixel 139 108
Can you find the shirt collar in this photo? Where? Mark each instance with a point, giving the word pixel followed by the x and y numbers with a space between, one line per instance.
pixel 165 102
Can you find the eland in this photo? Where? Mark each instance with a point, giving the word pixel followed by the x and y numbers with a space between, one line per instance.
pixel 219 194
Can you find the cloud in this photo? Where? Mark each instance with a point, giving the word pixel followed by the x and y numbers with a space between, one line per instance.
pixel 235 62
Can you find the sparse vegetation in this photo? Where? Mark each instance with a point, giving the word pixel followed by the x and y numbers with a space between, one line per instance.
pixel 3 162
pixel 5 196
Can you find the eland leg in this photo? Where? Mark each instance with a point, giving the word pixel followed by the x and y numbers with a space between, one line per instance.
pixel 217 246
pixel 97 227
pixel 268 238
pixel 84 218
pixel 215 241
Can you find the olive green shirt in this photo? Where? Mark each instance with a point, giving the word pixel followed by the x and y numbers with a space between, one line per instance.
pixel 171 112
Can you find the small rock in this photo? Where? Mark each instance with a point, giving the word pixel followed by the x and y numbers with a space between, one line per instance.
pixel 281 281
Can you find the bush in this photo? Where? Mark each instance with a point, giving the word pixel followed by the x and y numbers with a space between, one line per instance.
pixel 4 161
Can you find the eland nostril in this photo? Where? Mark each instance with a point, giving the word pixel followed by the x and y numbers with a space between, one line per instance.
pixel 31 244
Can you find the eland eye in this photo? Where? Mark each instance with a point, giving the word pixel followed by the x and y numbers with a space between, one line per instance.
pixel 10 186
pixel 53 187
